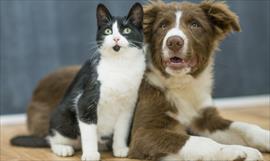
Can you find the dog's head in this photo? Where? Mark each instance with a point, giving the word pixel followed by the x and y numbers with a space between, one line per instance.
pixel 183 36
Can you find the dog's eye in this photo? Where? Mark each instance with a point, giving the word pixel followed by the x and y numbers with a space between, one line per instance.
pixel 194 25
pixel 163 25
pixel 107 31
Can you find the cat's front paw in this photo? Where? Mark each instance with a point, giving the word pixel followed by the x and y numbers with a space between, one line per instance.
pixel 90 156
pixel 120 152
pixel 62 150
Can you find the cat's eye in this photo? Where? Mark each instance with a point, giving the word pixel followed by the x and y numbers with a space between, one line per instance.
pixel 194 25
pixel 127 30
pixel 107 31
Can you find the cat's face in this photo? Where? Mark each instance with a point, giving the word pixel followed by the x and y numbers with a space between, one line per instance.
pixel 116 34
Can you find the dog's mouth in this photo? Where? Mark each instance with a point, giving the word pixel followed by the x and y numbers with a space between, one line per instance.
pixel 177 63
pixel 116 48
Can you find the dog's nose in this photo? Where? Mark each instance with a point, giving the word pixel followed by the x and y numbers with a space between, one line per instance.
pixel 175 43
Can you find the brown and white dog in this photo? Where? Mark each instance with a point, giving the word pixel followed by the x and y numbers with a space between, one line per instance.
pixel 176 92
pixel 175 96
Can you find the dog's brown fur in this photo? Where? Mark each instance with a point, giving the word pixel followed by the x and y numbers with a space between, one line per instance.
pixel 210 120
pixel 46 96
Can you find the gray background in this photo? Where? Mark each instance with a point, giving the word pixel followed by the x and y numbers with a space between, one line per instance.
pixel 39 36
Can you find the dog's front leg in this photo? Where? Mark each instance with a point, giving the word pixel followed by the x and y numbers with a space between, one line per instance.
pixel 201 148
pixel 168 145
pixel 211 124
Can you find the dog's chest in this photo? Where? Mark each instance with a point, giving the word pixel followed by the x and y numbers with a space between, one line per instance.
pixel 188 101
pixel 186 93
pixel 120 80
pixel 190 95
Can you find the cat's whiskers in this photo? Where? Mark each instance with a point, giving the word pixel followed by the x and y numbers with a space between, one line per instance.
pixel 132 43
pixel 136 41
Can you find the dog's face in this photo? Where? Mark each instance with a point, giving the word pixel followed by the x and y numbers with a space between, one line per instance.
pixel 183 36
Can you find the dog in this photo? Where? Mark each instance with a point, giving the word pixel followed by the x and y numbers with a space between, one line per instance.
pixel 175 118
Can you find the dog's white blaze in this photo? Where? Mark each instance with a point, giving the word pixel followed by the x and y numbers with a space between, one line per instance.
pixel 178 16
pixel 176 31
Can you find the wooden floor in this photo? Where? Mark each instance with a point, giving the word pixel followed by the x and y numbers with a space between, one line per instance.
pixel 260 116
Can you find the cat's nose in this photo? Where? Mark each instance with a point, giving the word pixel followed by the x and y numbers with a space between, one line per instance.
pixel 116 39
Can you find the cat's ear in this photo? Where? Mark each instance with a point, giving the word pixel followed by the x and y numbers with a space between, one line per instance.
pixel 135 15
pixel 103 15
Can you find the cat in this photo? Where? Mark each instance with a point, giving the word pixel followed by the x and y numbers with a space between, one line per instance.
pixel 100 101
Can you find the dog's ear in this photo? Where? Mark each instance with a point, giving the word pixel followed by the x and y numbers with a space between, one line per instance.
pixel 150 12
pixel 224 21
pixel 103 15
pixel 135 14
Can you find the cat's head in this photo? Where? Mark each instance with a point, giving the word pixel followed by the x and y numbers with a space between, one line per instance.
pixel 116 34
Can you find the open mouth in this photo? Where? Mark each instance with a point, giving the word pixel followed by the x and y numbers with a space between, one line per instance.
pixel 176 63
pixel 176 60
pixel 116 48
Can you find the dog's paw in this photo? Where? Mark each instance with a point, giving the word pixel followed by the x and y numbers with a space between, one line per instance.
pixel 90 156
pixel 237 152
pixel 120 152
pixel 253 154
pixel 261 140
pixel 62 150
pixel 231 153
pixel 253 135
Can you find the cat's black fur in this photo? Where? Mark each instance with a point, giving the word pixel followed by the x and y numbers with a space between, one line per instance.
pixel 65 118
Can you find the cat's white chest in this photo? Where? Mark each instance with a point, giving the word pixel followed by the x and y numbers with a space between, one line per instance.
pixel 120 78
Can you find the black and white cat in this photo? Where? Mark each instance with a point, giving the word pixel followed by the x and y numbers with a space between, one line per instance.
pixel 101 99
